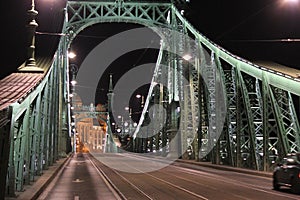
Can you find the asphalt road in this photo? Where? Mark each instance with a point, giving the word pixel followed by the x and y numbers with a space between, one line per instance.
pixel 124 176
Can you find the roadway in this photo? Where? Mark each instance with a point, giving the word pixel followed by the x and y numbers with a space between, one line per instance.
pixel 127 176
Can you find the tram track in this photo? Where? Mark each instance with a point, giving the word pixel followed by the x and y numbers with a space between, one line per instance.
pixel 129 185
pixel 122 186
pixel 173 182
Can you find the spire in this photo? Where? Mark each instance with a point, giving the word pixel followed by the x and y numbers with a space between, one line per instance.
pixel 110 89
pixel 110 94
pixel 30 64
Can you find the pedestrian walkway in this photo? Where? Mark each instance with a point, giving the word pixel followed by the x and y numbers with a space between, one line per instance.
pixel 32 191
pixel 79 179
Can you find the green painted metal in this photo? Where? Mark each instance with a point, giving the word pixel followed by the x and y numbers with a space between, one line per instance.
pixel 260 127
pixel 5 117
pixel 255 122
pixel 82 14
pixel 34 133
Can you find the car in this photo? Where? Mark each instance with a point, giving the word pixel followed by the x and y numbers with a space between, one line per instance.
pixel 287 173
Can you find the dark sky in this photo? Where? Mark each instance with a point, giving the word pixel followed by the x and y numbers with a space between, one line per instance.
pixel 250 29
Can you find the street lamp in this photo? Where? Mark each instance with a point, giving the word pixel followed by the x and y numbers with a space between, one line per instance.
pixel 71 55
pixel 187 57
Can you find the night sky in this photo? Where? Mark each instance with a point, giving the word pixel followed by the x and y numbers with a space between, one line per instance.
pixel 250 29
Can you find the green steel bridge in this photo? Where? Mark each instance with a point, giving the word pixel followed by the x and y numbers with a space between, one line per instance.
pixel 218 106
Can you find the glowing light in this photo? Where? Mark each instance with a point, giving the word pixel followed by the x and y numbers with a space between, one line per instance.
pixel 71 55
pixel 73 82
pixel 187 57
pixel 291 1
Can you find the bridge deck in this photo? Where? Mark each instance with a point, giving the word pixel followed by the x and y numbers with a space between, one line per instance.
pixel 61 179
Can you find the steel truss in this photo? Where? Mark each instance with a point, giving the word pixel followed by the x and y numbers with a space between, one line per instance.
pixel 260 121
pixel 38 136
pixel 260 118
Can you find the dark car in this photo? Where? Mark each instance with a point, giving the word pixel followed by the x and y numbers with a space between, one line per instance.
pixel 287 173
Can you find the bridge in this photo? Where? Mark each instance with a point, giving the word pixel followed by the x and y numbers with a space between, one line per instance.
pixel 204 104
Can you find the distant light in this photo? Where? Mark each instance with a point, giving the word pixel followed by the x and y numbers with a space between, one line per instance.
pixel 138 96
pixel 71 55
pixel 187 57
pixel 73 82
pixel 126 108
pixel 291 1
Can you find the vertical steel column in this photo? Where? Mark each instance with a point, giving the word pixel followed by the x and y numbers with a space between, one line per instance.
pixel 21 135
pixel 35 138
pixel 11 185
pixel 5 140
pixel 29 147
pixel 265 124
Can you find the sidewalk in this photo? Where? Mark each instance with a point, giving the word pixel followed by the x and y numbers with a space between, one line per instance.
pixel 31 192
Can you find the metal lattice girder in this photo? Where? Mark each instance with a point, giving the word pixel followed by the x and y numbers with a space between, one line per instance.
pixel 286 120
pixel 253 110
pixel 270 128
pixel 248 153
pixel 33 131
pixel 279 80
pixel 5 117
pixel 82 14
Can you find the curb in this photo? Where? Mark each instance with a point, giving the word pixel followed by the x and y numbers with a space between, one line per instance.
pixel 228 168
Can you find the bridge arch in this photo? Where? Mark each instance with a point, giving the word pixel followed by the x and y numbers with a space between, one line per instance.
pixel 80 15
pixel 259 88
